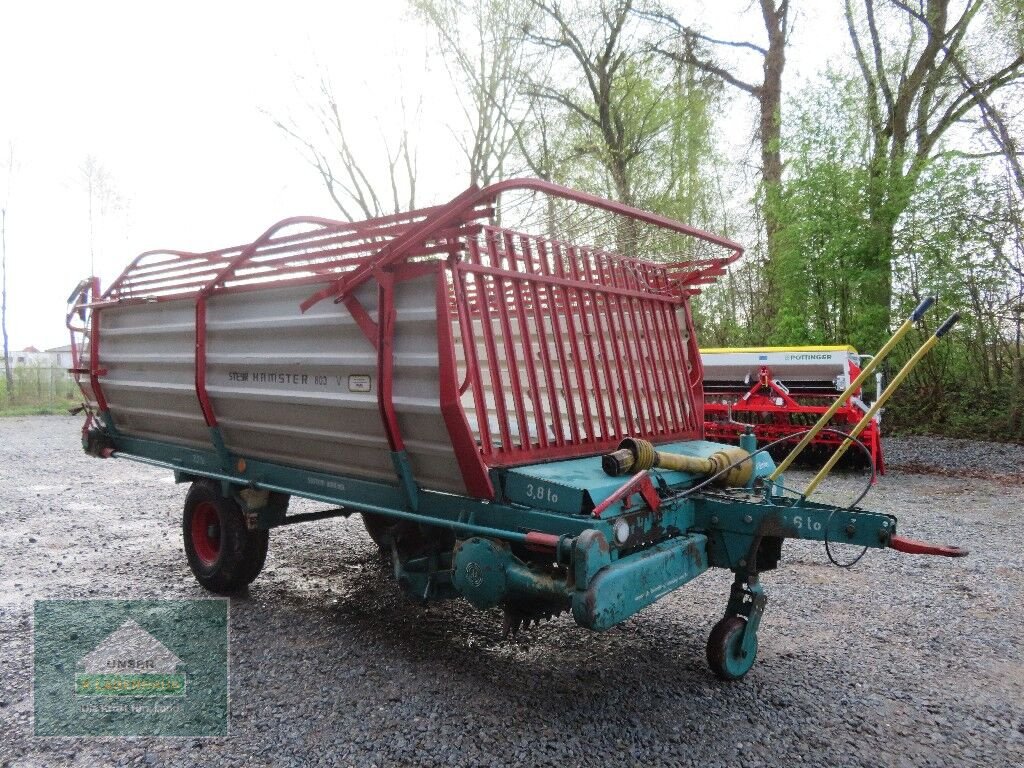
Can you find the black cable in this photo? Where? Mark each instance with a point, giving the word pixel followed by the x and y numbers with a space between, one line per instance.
pixel 788 438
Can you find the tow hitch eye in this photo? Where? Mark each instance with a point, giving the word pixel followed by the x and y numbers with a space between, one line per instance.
pixel 915 547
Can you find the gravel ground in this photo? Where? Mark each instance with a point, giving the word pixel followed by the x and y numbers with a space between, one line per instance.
pixel 900 661
pixel 956 456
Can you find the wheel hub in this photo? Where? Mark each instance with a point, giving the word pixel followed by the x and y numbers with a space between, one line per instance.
pixel 206 533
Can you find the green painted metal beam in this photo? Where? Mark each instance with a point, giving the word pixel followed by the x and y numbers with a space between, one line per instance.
pixel 620 589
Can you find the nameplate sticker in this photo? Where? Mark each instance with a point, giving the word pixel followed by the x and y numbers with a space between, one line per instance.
pixel 358 383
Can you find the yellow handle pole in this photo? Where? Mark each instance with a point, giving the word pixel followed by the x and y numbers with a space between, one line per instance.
pixel 923 350
pixel 866 371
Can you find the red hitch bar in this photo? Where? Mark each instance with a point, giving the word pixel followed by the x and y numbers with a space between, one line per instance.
pixel 915 547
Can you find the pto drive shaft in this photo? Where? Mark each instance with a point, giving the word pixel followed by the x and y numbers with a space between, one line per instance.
pixel 635 455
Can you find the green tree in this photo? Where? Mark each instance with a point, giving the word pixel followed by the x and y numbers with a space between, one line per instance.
pixel 822 218
pixel 688 45
pixel 925 69
pixel 634 126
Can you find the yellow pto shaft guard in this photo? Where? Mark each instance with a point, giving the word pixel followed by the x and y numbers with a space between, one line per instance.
pixel 634 455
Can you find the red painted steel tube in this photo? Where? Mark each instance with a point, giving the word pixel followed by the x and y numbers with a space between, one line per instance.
pixel 501 304
pixel 473 197
pixel 696 372
pixel 545 344
pixel 624 357
pixel 469 350
pixel 134 262
pixel 638 483
pixel 527 344
pixel 662 394
pixel 651 396
pixel 200 364
pixel 555 313
pixel 669 324
pixel 619 429
pixel 299 259
pixel 386 361
pixel 474 473
pixel 493 364
pixel 599 389
pixel 397 248
pixel 657 394
pixel 363 320
pixel 634 396
pixel 665 363
pixel 299 251
pixel 259 280
pixel 94 352
pixel 221 253
pixel 251 249
pixel 609 289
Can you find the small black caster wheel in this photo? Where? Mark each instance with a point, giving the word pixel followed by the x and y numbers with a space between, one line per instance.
pixel 725 653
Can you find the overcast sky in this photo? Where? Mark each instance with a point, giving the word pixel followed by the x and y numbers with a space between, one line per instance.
pixel 168 98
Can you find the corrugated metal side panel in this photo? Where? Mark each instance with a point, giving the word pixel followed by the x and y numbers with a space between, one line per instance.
pixel 85 359
pixel 148 351
pixel 416 392
pixel 298 389
pixel 280 384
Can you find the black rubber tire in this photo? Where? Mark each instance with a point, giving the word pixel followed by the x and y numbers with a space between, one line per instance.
pixel 722 642
pixel 410 538
pixel 258 556
pixel 378 528
pixel 279 501
pixel 229 559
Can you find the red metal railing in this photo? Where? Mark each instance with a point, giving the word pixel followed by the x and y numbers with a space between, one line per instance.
pixel 324 249
pixel 548 347
pixel 568 349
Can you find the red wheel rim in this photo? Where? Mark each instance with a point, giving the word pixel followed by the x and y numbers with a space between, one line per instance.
pixel 206 532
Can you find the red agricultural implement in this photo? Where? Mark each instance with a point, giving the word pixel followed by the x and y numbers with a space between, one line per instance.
pixel 781 391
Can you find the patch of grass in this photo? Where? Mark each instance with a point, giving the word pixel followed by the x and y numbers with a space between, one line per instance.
pixel 48 408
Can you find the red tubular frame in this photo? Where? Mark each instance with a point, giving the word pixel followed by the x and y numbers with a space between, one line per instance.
pixel 758 406
pixel 590 339
pixel 625 328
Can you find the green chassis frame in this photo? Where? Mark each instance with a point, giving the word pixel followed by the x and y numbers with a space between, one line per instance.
pixel 605 577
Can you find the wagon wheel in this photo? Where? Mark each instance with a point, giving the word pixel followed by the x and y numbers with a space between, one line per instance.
pixel 224 555
pixel 378 527
pixel 411 539
pixel 725 649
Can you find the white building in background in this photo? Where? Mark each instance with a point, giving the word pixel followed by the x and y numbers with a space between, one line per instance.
pixel 63 356
pixel 40 376
pixel 58 358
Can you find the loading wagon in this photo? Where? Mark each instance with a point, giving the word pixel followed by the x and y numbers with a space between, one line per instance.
pixel 503 387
